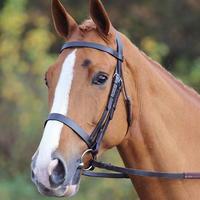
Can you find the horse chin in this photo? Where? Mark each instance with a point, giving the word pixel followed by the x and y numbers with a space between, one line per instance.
pixel 68 191
pixel 71 190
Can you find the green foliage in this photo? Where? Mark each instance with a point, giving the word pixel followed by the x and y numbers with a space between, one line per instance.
pixel 156 50
pixel 24 58
pixel 168 32
pixel 190 75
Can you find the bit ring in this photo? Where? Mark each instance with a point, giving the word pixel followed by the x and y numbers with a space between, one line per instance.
pixel 82 158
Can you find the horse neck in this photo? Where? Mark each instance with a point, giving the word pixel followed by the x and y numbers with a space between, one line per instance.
pixel 165 135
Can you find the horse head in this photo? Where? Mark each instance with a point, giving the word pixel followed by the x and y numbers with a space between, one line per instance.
pixel 78 88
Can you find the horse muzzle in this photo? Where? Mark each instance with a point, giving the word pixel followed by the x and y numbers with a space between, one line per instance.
pixel 56 179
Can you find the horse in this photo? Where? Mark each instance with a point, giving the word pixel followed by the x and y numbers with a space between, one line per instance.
pixel 151 117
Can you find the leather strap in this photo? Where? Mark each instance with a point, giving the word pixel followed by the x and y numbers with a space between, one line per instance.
pixel 71 124
pixel 104 175
pixel 126 172
pixel 99 131
pixel 91 45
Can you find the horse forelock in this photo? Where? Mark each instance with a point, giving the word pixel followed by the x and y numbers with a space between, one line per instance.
pixel 87 25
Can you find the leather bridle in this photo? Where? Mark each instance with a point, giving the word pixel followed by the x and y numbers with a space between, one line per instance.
pixel 94 139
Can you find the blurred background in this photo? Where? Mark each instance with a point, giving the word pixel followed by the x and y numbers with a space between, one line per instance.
pixel 168 31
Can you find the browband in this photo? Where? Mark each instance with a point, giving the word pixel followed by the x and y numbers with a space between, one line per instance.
pixel 92 45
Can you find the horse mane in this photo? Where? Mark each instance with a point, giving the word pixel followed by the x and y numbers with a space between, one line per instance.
pixel 180 83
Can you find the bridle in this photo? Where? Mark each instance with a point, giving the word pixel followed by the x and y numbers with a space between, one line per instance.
pixel 94 140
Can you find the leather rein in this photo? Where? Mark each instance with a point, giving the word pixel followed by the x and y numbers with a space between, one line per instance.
pixel 94 139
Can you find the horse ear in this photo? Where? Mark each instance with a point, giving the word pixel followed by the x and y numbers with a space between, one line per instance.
pixel 64 24
pixel 100 17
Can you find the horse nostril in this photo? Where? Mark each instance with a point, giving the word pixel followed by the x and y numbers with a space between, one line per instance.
pixel 57 175
pixel 32 175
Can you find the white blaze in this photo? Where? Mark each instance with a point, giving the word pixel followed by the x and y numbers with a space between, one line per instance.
pixel 52 131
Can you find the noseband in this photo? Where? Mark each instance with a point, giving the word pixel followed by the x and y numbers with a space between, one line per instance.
pixel 94 139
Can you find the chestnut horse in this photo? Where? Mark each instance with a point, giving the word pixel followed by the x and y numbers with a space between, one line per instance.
pixel 164 134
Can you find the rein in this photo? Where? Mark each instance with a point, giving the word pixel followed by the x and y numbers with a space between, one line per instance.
pixel 123 172
pixel 94 139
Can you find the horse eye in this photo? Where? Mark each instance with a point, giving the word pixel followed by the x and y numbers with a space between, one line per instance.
pixel 100 78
